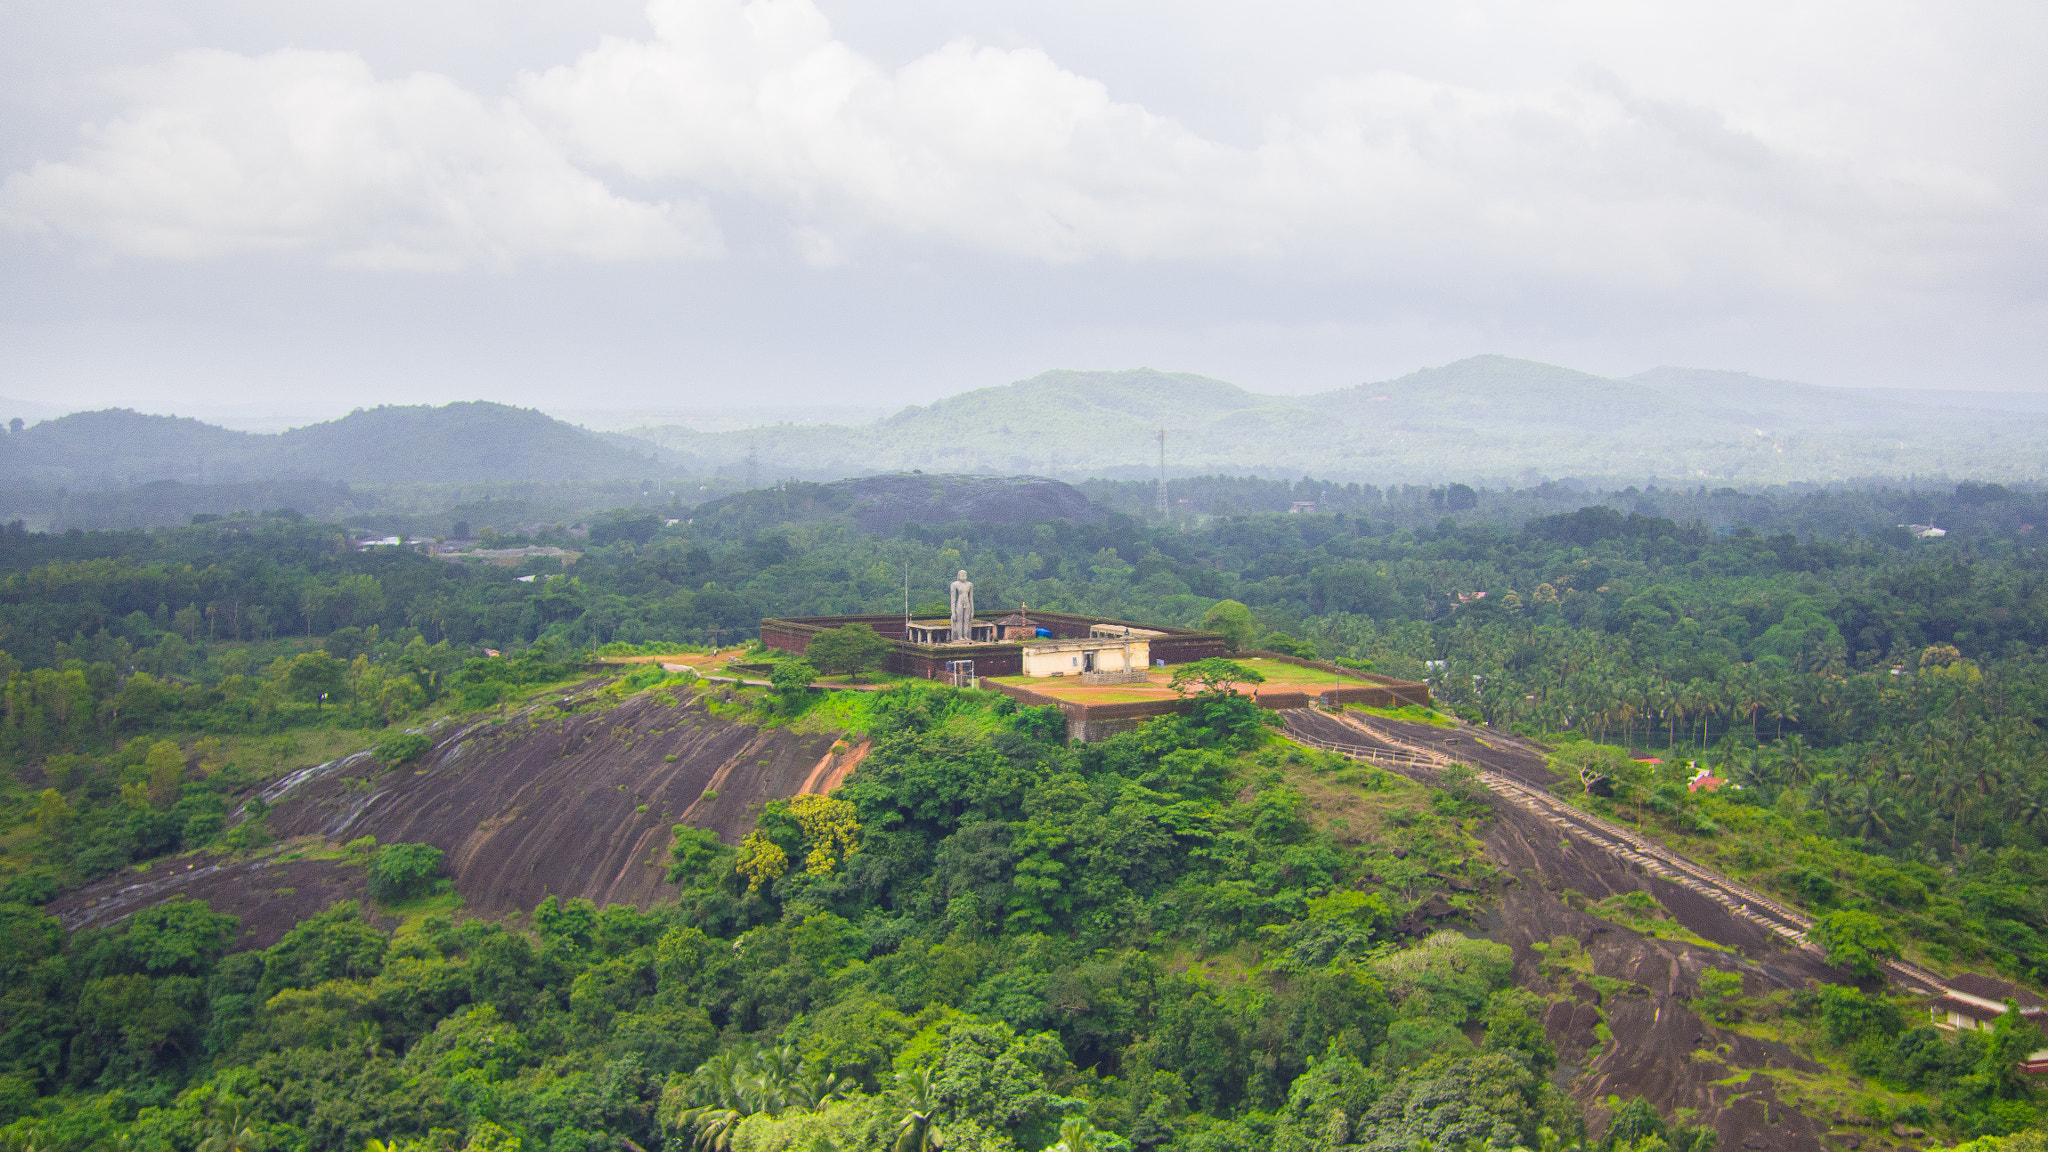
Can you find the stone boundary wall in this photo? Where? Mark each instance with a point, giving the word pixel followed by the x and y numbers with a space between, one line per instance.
pixel 1279 700
pixel 1026 696
pixel 1090 722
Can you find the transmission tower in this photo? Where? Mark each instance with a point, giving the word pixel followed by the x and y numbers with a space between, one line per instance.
pixel 1162 475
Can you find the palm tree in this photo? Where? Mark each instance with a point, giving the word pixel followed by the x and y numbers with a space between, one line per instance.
pixel 1748 692
pixel 1688 702
pixel 775 1073
pixel 1077 1135
pixel 368 1039
pixel 33 1140
pixel 228 1133
pixel 815 1090
pixel 1826 793
pixel 711 1104
pixel 1951 790
pixel 1795 760
pixel 1867 808
pixel 1782 705
pixel 1665 701
pixel 1756 774
pixel 2033 805
pixel 917 1125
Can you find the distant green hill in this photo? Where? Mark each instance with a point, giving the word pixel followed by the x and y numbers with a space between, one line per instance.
pixel 471 441
pixel 1487 418
pixel 119 448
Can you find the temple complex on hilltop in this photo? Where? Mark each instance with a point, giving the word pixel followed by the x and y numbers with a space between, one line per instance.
pixel 968 645
pixel 1098 672
pixel 1015 643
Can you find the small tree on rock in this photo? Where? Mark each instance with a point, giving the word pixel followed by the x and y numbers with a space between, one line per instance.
pixel 404 871
pixel 792 678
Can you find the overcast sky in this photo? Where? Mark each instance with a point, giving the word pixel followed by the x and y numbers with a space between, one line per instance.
pixel 714 202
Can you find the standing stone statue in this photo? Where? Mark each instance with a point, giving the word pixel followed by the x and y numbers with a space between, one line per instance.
pixel 963 608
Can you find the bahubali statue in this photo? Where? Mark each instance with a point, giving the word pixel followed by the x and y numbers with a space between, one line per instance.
pixel 963 609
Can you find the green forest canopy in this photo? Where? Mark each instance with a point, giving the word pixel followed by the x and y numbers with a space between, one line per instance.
pixel 1007 938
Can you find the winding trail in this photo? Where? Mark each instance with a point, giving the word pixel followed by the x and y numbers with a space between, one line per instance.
pixel 1510 772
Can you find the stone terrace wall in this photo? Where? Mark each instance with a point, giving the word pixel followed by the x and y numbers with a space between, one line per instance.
pixel 1390 693
pixel 1091 722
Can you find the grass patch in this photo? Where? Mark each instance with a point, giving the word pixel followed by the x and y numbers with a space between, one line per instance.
pixel 867 679
pixel 1641 913
pixel 1278 673
pixel 1411 713
pixel 412 914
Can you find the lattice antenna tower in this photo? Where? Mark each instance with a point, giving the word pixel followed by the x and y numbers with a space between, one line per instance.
pixel 1162 474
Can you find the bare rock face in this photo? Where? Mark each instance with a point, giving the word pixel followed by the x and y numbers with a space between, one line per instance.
pixel 576 804
pixel 1642 1038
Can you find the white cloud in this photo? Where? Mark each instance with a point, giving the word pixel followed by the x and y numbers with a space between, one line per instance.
pixel 297 151
pixel 1382 173
pixel 1485 149
pixel 1000 150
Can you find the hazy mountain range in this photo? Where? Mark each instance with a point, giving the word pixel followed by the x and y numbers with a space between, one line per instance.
pixel 1485 420
pixel 1488 418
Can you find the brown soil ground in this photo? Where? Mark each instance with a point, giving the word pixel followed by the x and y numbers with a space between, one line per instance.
pixel 1324 726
